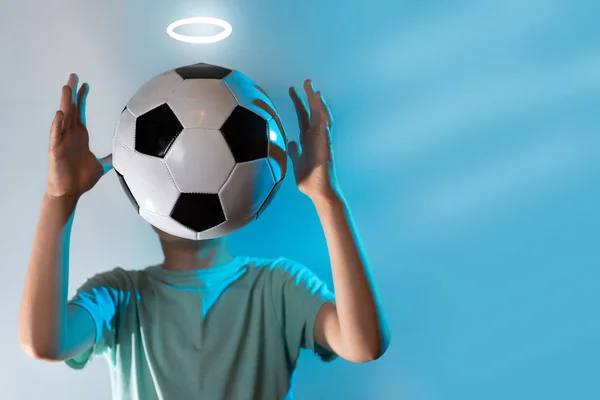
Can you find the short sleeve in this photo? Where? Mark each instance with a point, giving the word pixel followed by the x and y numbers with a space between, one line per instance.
pixel 298 295
pixel 101 296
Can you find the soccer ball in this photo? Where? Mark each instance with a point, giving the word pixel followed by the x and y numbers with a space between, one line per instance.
pixel 200 151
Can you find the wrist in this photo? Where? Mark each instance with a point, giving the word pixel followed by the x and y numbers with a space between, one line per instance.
pixel 329 201
pixel 57 213
pixel 63 202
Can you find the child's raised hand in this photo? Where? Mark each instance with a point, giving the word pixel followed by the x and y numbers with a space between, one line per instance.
pixel 72 168
pixel 312 157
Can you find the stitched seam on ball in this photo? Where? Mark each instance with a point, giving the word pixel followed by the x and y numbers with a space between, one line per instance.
pixel 172 178
pixel 172 220
pixel 129 157
pixel 157 214
pixel 173 87
pixel 229 177
pixel 171 143
pixel 124 145
pixel 175 183
pixel 269 198
pixel 127 110
pixel 238 102
pixel 204 128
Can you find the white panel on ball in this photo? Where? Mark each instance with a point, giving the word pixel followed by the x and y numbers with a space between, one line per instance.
pixel 246 93
pixel 121 156
pixel 168 225
pixel 123 141
pixel 246 189
pixel 201 103
pixel 125 129
pixel 151 184
pixel 154 93
pixel 277 149
pixel 200 161
pixel 225 228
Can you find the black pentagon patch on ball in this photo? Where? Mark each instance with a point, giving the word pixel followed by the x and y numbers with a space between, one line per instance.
pixel 246 134
pixel 156 130
pixel 202 71
pixel 198 211
pixel 128 192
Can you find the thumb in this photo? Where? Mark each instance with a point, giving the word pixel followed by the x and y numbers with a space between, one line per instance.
pixel 294 152
pixel 106 163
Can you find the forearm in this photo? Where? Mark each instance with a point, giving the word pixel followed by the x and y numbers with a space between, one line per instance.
pixel 44 300
pixel 361 318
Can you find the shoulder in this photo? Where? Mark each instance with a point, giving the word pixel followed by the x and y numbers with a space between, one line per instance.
pixel 118 278
pixel 275 266
pixel 112 277
pixel 282 270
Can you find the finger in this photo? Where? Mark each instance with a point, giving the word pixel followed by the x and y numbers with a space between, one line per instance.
pixel 72 83
pixel 81 103
pixel 309 88
pixel 325 110
pixel 73 118
pixel 327 135
pixel 56 129
pixel 301 110
pixel 65 105
pixel 325 132
pixel 311 94
pixel 106 163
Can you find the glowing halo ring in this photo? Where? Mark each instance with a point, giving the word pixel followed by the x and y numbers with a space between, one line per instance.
pixel 200 39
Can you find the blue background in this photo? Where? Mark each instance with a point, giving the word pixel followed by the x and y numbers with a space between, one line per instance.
pixel 467 143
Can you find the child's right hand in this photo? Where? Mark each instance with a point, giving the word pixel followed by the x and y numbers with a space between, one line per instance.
pixel 72 168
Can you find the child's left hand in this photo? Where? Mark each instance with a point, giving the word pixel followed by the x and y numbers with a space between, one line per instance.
pixel 312 159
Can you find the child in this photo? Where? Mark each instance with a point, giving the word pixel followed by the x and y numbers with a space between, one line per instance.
pixel 203 324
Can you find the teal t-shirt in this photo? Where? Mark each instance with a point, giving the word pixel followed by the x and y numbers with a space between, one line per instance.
pixel 231 332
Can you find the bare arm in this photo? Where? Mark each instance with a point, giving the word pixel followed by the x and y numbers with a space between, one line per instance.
pixel 43 322
pixel 48 328
pixel 355 328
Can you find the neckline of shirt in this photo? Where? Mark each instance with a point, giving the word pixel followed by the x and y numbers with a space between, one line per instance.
pixel 202 277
